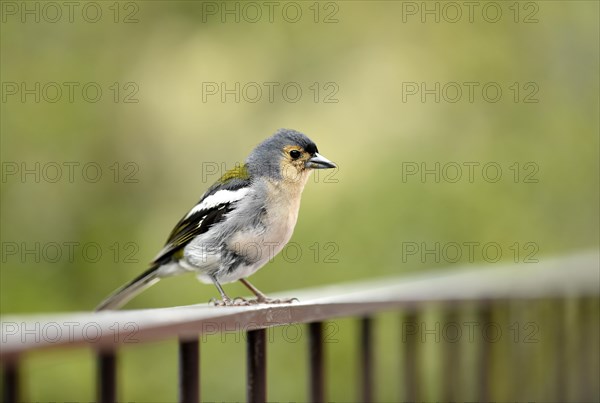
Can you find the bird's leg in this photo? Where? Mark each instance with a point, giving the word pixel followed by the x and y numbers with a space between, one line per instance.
pixel 262 298
pixel 225 300
pixel 259 295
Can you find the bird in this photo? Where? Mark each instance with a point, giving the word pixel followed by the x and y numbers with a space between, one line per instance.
pixel 239 224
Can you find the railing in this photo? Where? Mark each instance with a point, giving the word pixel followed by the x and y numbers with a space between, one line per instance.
pixel 574 277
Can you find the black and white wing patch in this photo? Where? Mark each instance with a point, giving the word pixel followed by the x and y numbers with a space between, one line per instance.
pixel 210 210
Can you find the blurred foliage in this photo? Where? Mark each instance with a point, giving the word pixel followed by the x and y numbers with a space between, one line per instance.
pixel 364 216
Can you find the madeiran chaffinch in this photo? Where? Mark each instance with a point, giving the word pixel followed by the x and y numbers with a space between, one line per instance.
pixel 240 223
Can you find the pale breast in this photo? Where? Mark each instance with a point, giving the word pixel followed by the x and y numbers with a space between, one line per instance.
pixel 259 246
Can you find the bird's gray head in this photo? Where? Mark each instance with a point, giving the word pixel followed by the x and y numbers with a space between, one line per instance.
pixel 288 155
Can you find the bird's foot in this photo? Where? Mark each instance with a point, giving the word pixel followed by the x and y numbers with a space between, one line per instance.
pixel 269 300
pixel 238 301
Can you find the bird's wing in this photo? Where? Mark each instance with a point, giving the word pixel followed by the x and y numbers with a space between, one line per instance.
pixel 220 199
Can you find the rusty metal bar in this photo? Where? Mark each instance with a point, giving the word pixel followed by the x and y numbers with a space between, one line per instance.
pixel 366 360
pixel 11 381
pixel 316 362
pixel 189 371
pixel 107 376
pixel 484 355
pixel 256 388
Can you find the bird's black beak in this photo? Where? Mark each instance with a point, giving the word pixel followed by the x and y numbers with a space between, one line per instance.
pixel 317 161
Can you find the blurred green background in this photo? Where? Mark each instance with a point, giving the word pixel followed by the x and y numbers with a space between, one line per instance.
pixel 160 139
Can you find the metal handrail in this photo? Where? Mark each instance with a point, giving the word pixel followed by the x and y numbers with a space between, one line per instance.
pixel 574 275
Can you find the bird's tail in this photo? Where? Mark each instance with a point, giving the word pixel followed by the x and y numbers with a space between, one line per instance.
pixel 130 290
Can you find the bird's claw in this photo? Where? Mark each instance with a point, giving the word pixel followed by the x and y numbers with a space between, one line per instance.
pixel 216 302
pixel 269 300
pixel 238 301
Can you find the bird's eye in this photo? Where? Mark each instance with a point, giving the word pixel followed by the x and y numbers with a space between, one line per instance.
pixel 295 154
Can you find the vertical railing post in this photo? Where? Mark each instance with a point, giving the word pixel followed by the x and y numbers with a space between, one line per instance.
pixel 585 348
pixel 410 366
pixel 107 376
pixel 484 355
pixel 520 358
pixel 559 320
pixel 316 362
pixel 256 388
pixel 11 381
pixel 451 358
pixel 189 371
pixel 366 360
